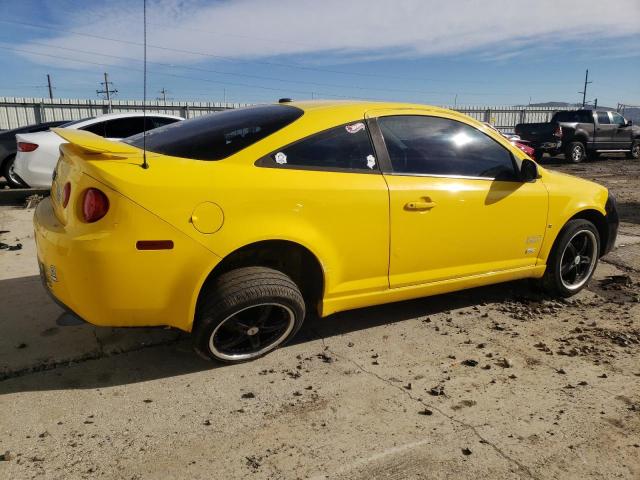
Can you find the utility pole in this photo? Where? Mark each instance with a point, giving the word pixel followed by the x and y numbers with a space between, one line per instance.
pixel 107 90
pixel 164 92
pixel 584 92
pixel 50 87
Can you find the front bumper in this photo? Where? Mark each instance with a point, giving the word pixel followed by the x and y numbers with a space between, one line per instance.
pixel 100 276
pixel 613 221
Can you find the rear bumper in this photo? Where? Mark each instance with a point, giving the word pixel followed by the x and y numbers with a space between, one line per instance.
pixel 47 286
pixel 34 171
pixel 103 279
pixel 547 146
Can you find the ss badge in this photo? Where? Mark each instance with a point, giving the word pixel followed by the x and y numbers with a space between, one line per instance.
pixel 53 274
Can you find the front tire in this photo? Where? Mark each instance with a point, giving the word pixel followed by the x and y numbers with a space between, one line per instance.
pixel 573 259
pixel 635 150
pixel 246 313
pixel 575 152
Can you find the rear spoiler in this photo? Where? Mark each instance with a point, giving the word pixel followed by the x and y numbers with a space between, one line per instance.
pixel 92 143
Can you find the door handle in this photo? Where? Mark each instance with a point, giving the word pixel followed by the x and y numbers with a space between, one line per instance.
pixel 420 205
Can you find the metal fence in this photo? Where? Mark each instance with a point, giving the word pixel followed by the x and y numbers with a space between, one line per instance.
pixel 17 112
pixel 505 118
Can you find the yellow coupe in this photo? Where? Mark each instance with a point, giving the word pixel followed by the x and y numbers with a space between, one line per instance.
pixel 240 223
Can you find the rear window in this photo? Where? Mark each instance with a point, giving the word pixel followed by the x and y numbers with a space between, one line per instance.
pixel 579 116
pixel 218 135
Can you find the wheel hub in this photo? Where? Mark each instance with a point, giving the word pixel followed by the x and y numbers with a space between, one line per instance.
pixel 577 153
pixel 252 331
pixel 578 260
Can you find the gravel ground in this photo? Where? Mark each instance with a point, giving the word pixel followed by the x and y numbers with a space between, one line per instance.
pixel 496 382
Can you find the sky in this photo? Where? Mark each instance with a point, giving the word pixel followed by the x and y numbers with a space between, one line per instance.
pixel 453 52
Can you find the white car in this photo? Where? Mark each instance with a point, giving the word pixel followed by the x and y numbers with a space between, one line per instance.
pixel 38 153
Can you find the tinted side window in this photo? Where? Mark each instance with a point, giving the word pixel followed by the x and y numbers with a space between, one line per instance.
pixel 218 135
pixel 439 146
pixel 603 118
pixel 155 122
pixel 585 117
pixel 97 128
pixel 343 148
pixel 123 127
pixel 618 119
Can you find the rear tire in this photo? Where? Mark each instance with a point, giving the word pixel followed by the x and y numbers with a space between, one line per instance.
pixel 635 150
pixel 9 175
pixel 573 259
pixel 246 313
pixel 575 152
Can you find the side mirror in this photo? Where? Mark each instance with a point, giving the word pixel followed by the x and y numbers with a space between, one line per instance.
pixel 528 170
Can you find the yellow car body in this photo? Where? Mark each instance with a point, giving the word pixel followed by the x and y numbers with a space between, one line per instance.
pixel 366 238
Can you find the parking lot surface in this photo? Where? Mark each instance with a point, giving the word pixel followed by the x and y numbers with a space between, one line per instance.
pixel 498 382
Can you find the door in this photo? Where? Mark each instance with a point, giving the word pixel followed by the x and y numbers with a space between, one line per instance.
pixel 621 136
pixel 328 188
pixel 457 208
pixel 604 131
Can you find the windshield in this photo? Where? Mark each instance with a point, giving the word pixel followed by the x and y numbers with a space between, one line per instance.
pixel 217 135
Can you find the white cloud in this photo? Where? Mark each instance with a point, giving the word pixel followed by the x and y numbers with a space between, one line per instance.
pixel 353 29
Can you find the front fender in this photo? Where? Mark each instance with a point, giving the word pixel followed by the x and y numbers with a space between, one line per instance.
pixel 568 197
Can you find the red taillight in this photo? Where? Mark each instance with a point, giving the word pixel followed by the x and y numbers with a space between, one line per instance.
pixel 95 205
pixel 27 147
pixel 66 194
pixel 558 132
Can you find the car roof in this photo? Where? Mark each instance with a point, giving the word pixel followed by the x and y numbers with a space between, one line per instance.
pixel 324 113
pixel 358 109
pixel 358 105
pixel 115 116
pixel 110 116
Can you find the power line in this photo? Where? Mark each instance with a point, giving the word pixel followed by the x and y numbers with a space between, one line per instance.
pixel 226 34
pixel 262 62
pixel 247 85
pixel 261 87
pixel 263 77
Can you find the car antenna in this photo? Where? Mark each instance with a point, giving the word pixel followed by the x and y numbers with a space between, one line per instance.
pixel 145 165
